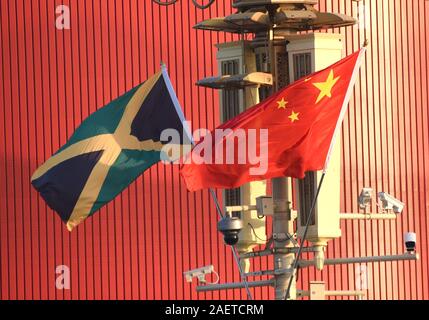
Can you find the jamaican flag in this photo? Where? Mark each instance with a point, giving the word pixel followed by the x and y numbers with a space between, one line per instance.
pixel 111 148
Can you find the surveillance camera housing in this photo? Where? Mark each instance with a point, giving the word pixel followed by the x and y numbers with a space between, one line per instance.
pixel 230 227
pixel 365 197
pixel 198 273
pixel 390 203
pixel 410 240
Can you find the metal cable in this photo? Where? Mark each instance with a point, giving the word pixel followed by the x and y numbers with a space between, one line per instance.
pixel 256 235
pixel 165 2
pixel 203 6
pixel 195 2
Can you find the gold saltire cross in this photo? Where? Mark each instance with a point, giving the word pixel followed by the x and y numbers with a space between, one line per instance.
pixel 112 146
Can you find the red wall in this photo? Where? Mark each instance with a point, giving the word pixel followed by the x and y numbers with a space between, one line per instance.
pixel 139 245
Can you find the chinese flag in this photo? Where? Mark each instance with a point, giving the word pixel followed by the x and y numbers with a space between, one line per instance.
pixel 299 124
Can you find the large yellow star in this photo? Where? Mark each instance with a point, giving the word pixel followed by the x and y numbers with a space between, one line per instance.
pixel 294 116
pixel 282 103
pixel 326 87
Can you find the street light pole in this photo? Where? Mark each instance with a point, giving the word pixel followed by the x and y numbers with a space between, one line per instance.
pixel 282 230
pixel 282 196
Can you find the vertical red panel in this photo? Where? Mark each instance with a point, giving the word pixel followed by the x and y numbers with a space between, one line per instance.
pixel 4 244
pixel 395 99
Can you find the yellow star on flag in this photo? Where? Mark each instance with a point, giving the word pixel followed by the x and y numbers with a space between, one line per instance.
pixel 294 116
pixel 282 103
pixel 326 87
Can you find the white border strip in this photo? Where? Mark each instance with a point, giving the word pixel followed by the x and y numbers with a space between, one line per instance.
pixel 176 102
pixel 345 105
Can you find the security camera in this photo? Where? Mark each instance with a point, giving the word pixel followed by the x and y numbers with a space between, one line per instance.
pixel 390 203
pixel 230 227
pixel 199 273
pixel 410 240
pixel 365 197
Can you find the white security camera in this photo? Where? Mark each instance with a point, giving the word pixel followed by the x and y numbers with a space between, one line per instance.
pixel 410 240
pixel 390 203
pixel 365 197
pixel 199 273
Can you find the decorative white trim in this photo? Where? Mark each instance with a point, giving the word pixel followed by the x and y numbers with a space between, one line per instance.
pixel 176 103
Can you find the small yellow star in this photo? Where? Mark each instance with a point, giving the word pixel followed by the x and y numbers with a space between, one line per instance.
pixel 326 87
pixel 294 116
pixel 282 103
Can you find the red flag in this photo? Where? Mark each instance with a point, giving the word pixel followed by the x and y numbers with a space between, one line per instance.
pixel 296 130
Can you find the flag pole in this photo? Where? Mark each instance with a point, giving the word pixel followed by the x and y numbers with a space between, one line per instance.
pixel 313 205
pixel 307 223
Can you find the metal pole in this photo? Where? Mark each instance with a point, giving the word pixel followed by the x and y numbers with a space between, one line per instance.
pixel 368 216
pixel 282 196
pixel 241 208
pixel 268 272
pixel 335 293
pixel 335 261
pixel 282 225
pixel 298 255
pixel 226 286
